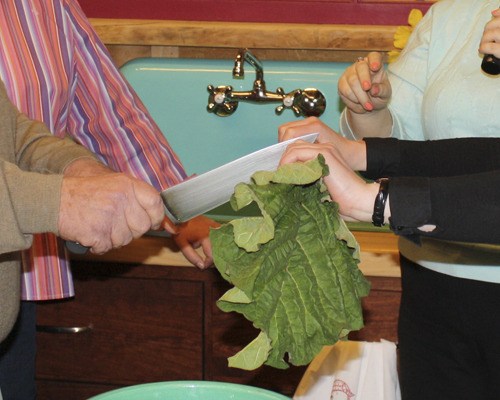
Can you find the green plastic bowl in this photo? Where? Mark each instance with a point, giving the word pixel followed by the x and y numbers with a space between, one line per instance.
pixel 190 390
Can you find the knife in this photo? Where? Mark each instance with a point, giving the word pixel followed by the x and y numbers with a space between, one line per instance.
pixel 213 188
pixel 204 192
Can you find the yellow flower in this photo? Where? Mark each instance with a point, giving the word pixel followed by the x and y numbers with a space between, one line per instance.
pixel 403 33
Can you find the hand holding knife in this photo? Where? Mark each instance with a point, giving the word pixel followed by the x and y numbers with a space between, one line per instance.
pixel 204 192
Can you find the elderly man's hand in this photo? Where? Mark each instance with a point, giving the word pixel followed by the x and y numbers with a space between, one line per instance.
pixel 107 211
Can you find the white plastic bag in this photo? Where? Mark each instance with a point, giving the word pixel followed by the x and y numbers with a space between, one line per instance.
pixel 352 371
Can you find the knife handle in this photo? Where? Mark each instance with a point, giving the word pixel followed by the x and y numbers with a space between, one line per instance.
pixel 76 248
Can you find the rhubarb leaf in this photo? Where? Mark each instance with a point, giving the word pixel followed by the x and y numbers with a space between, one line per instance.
pixel 294 269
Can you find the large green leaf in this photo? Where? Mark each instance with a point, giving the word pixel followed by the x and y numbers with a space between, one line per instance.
pixel 294 269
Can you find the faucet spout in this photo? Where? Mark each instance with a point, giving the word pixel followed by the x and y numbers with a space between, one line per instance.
pixel 239 69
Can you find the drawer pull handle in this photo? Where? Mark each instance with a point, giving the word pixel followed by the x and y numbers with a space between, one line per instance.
pixel 63 329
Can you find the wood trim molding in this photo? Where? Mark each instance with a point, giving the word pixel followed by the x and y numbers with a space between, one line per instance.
pixel 240 34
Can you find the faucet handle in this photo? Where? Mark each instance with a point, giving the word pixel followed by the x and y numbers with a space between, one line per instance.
pixel 308 102
pixel 288 102
pixel 219 100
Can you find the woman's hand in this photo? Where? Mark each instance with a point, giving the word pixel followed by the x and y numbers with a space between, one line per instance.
pixel 490 41
pixel 354 196
pixel 365 90
pixel 364 86
pixel 352 152
pixel 192 235
pixel 301 127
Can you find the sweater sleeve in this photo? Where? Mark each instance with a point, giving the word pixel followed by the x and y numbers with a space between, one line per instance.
pixel 463 208
pixel 31 165
pixel 30 204
pixel 39 151
pixel 432 158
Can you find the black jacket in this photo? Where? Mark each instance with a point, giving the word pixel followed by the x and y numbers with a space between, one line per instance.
pixel 452 183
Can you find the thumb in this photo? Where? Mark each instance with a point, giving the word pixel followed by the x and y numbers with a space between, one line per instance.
pixel 149 199
pixel 381 90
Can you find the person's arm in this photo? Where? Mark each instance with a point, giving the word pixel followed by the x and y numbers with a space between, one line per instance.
pixel 431 158
pixel 29 204
pixel 37 150
pixel 100 211
pixel 30 176
pixel 450 186
pixel 109 118
pixel 460 208
pixel 395 107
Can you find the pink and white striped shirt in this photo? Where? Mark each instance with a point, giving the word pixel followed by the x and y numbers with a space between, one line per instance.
pixel 56 70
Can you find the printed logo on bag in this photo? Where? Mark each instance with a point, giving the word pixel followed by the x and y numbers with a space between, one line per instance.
pixel 341 391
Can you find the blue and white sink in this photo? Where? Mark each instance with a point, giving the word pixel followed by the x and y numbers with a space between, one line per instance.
pixel 175 93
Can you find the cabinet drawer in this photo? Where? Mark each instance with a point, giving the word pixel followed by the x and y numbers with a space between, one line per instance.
pixel 140 330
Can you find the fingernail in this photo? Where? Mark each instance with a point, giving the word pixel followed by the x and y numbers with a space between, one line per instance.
pixel 374 65
pixel 368 106
pixel 366 85
pixel 200 264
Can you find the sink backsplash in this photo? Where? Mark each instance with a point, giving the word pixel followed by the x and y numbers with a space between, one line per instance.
pixel 175 92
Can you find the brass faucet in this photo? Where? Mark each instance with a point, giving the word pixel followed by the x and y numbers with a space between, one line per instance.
pixel 223 100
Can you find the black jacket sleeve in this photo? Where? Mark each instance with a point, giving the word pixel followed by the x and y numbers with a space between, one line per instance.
pixel 453 184
pixel 449 157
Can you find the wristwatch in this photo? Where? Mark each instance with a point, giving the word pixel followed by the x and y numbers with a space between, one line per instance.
pixel 379 205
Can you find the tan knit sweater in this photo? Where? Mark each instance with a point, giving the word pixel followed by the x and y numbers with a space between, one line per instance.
pixel 31 164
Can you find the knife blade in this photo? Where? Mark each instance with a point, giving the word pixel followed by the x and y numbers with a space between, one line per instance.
pixel 213 188
pixel 204 192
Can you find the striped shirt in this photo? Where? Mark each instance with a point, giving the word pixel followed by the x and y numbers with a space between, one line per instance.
pixel 57 70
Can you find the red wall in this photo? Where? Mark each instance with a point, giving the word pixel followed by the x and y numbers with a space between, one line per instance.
pixel 292 11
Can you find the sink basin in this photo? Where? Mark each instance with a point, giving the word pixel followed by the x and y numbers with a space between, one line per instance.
pixel 175 93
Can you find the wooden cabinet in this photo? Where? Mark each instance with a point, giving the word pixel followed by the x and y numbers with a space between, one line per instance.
pixel 228 333
pixel 145 323
pixel 380 311
pixel 136 326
